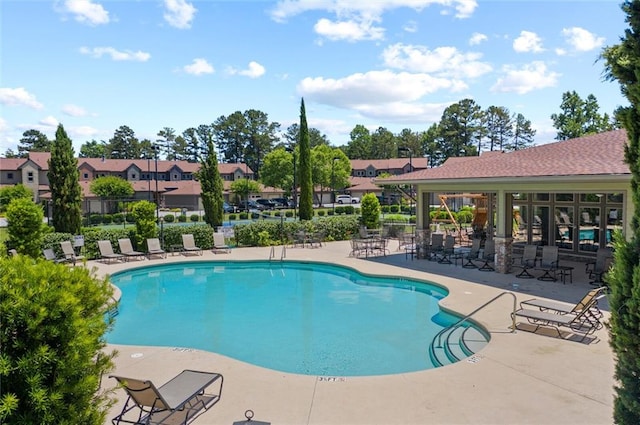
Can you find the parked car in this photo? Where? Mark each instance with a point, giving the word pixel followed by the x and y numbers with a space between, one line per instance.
pixel 347 199
pixel 253 205
pixel 283 202
pixel 268 204
pixel 228 209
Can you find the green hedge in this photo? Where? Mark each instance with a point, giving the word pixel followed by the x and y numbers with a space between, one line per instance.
pixel 334 228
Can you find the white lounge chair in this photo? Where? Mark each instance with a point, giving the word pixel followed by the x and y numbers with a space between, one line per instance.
pixel 127 250
pixel 189 245
pixel 106 252
pixel 219 243
pixel 153 248
pixel 589 302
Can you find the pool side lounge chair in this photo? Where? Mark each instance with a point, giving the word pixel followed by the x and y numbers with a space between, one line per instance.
pixel 153 248
pixel 219 244
pixel 50 255
pixel 582 322
pixel 178 401
pixel 588 302
pixel 127 250
pixel 106 252
pixel 189 245
pixel 69 253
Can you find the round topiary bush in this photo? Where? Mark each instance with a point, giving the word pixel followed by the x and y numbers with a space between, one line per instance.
pixel 244 216
pixel 195 218
pixel 169 218
pixel 182 218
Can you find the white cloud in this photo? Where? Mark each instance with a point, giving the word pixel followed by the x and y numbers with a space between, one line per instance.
pixel 374 88
pixel 49 122
pixel 179 13
pixel 83 131
pixel 87 12
pixel 74 110
pixel 530 77
pixel 18 96
pixel 199 66
pixel 411 26
pixel 116 55
pixel 582 40
pixel 477 38
pixel 528 42
pixel 3 125
pixel 350 30
pixel 444 61
pixel 255 70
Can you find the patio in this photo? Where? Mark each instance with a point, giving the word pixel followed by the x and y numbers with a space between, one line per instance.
pixel 519 377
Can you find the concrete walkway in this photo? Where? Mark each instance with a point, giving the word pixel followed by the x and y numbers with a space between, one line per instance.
pixel 519 378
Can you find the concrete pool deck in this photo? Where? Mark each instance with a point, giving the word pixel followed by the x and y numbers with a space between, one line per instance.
pixel 519 378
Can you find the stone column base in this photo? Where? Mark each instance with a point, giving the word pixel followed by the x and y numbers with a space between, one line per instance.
pixel 504 254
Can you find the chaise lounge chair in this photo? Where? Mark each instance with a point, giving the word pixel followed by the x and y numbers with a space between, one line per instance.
pixel 189 245
pixel 69 253
pixel 589 302
pixel 153 248
pixel 219 244
pixel 127 249
pixel 106 252
pixel 50 255
pixel 178 401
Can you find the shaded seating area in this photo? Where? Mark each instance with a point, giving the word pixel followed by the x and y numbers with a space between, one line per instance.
pixel 154 248
pixel 189 245
pixel 178 401
pixel 126 249
pixel 106 252
pixel 219 244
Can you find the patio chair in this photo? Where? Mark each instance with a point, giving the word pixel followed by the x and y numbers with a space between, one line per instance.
pixel 219 244
pixel 106 252
pixel 598 267
pixel 447 250
pixel 127 250
pixel 178 401
pixel 528 261
pixel 189 245
pixel 153 248
pixel 548 263
pixel 436 247
pixel 488 256
pixel 50 255
pixel 69 253
pixel 581 322
pixel 589 302
pixel 472 255
pixel 408 242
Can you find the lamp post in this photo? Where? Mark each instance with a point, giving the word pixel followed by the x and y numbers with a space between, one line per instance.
pixel 295 188
pixel 149 176
pixel 155 151
pixel 333 183
pixel 406 149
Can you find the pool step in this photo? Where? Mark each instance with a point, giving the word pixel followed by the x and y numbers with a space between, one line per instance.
pixel 456 344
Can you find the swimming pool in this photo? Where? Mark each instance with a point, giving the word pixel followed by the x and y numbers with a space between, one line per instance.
pixel 296 317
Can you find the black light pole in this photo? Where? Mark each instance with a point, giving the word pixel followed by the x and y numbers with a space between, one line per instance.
pixel 155 150
pixel 149 176
pixel 333 182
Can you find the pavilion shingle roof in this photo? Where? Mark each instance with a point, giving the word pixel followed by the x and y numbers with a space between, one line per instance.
pixel 388 164
pixel 598 154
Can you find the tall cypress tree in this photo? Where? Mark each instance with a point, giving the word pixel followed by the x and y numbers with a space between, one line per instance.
pixel 212 186
pixel 66 194
pixel 305 204
pixel 623 65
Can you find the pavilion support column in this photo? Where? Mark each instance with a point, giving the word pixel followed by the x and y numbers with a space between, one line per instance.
pixel 504 232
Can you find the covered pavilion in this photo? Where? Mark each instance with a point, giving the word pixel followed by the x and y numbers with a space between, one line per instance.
pixel 572 194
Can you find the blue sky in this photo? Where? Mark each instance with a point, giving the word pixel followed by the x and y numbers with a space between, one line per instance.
pixel 95 65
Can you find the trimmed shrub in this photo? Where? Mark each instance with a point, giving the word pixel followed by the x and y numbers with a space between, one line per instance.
pixel 321 213
pixel 232 217
pixel 182 219
pixel 288 214
pixel 394 209
pixel 169 218
pixel 195 218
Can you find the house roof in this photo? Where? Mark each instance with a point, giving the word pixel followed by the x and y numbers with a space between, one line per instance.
pixel 595 155
pixel 363 184
pixel 388 164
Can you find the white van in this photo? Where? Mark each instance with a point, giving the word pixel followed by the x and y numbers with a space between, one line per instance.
pixel 347 199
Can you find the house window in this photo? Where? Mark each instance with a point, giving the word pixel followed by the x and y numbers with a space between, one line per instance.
pixel 10 176
pixel 30 176
pixel 133 177
pixel 85 176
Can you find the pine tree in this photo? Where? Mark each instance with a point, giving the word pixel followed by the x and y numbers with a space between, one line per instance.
pixel 305 204
pixel 212 186
pixel 623 65
pixel 66 194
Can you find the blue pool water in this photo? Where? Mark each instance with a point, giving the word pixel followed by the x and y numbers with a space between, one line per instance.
pixel 314 319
